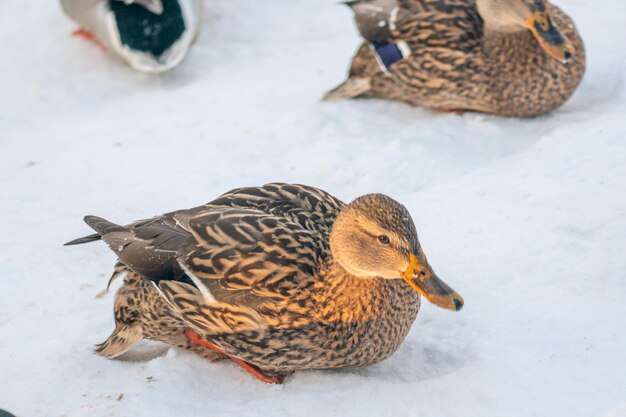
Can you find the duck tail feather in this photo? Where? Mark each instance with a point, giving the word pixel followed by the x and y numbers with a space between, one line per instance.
pixel 86 239
pixel 101 226
pixel 121 340
pixel 352 88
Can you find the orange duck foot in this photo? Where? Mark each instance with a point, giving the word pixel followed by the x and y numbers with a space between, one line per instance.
pixel 253 370
pixel 82 33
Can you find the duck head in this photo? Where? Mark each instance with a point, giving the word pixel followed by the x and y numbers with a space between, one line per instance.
pixel 375 237
pixel 533 15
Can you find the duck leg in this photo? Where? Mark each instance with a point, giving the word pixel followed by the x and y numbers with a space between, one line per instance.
pixel 85 34
pixel 248 367
pixel 458 112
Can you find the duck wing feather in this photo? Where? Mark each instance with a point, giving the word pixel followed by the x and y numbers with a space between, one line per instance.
pixel 419 23
pixel 225 264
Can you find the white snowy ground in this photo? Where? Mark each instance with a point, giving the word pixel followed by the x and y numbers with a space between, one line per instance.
pixel 525 218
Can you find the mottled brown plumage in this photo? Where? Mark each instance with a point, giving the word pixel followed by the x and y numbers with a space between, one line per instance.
pixel 284 277
pixel 506 60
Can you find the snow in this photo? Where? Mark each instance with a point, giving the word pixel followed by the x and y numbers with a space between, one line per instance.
pixel 525 218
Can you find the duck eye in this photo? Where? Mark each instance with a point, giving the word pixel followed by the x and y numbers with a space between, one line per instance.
pixel 384 239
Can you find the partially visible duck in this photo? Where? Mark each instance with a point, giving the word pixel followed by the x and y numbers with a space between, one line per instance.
pixel 150 35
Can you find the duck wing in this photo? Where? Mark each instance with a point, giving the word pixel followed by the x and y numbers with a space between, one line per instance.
pixel 257 247
pixel 416 24
pixel 228 265
pixel 454 24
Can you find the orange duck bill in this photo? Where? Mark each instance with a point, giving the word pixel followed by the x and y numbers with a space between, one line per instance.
pixel 549 36
pixel 421 277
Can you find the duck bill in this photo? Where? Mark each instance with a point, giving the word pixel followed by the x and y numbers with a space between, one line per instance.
pixel 549 37
pixel 421 277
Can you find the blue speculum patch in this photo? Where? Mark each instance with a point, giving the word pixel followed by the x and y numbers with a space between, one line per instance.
pixel 389 53
pixel 145 31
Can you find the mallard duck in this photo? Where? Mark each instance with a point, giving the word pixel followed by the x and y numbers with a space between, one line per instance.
pixel 278 278
pixel 150 35
pixel 517 58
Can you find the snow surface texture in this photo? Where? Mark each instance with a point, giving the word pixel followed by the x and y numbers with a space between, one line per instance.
pixel 525 218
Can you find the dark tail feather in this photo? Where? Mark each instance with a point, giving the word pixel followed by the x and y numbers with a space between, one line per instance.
pixel 86 239
pixel 103 227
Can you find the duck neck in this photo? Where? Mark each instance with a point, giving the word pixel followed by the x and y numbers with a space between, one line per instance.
pixel 513 46
pixel 345 297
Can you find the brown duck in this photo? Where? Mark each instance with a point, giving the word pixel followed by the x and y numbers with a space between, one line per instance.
pixel 279 278
pixel 508 57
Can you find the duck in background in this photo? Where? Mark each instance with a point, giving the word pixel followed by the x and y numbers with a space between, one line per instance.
pixel 518 58
pixel 150 35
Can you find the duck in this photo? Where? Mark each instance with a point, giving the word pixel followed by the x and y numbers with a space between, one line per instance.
pixel 152 36
pixel 512 58
pixel 278 278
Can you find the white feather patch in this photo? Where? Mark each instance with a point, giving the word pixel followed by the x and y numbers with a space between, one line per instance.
pixel 393 17
pixel 404 49
pixel 156 286
pixel 203 289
